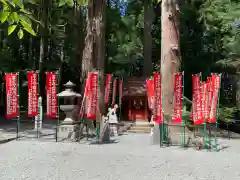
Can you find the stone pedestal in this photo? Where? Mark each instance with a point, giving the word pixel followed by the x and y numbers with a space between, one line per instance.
pixel 113 129
pixel 67 132
pixel 104 131
pixel 155 135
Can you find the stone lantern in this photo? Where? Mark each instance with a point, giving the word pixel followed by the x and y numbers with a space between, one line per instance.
pixel 69 97
pixel 67 129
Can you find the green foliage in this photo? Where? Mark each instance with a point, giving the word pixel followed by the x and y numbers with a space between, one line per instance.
pixel 221 20
pixel 15 14
pixel 210 37
pixel 11 29
pixel 227 114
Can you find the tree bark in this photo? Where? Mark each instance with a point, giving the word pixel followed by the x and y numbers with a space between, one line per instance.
pixel 170 64
pixel 87 56
pixel 147 48
pixel 170 51
pixel 43 43
pixel 94 49
pixel 100 49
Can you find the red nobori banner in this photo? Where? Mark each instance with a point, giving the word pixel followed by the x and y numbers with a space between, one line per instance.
pixel 12 95
pixel 120 89
pixel 150 93
pixel 204 87
pixel 32 93
pixel 114 92
pixel 158 115
pixel 209 95
pixel 107 88
pixel 92 96
pixel 214 101
pixel 51 91
pixel 83 109
pixel 197 113
pixel 178 94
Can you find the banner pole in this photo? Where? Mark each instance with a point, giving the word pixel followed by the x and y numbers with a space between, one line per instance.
pixel 98 109
pixel 204 124
pixel 183 121
pixel 18 118
pixel 58 103
pixel 207 138
pixel 217 116
pixel 39 106
pixel 162 111
pixel 120 104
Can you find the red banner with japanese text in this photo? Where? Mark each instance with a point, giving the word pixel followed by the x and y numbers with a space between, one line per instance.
pixel 197 113
pixel 214 101
pixel 150 93
pixel 32 93
pixel 158 114
pixel 107 88
pixel 84 104
pixel 92 96
pixel 177 103
pixel 12 95
pixel 204 87
pixel 120 90
pixel 51 92
pixel 114 92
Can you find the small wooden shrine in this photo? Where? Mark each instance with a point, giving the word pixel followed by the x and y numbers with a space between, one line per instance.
pixel 135 105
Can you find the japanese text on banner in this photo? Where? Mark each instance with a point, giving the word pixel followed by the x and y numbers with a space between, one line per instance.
pixel 214 101
pixel 158 114
pixel 107 88
pixel 114 92
pixel 197 112
pixel 177 105
pixel 150 93
pixel 32 94
pixel 92 98
pixel 12 95
pixel 83 111
pixel 204 87
pixel 51 88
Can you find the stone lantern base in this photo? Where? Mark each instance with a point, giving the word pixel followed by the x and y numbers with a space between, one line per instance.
pixel 68 132
pixel 68 129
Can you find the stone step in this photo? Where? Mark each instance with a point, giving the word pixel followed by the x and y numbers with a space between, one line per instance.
pixel 143 124
pixel 138 131
pixel 141 128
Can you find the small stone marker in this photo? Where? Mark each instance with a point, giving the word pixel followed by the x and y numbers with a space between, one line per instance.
pixel 104 131
pixel 113 120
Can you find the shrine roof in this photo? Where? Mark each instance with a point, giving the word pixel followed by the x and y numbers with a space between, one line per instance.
pixel 135 86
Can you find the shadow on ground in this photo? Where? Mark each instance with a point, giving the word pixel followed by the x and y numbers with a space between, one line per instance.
pixel 9 129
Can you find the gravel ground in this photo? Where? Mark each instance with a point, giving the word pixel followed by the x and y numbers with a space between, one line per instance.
pixel 130 158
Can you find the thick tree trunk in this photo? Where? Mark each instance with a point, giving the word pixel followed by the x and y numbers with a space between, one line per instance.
pixel 43 44
pixel 88 59
pixel 94 49
pixel 170 64
pixel 170 51
pixel 100 49
pixel 147 48
pixel 87 56
pixel 80 33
